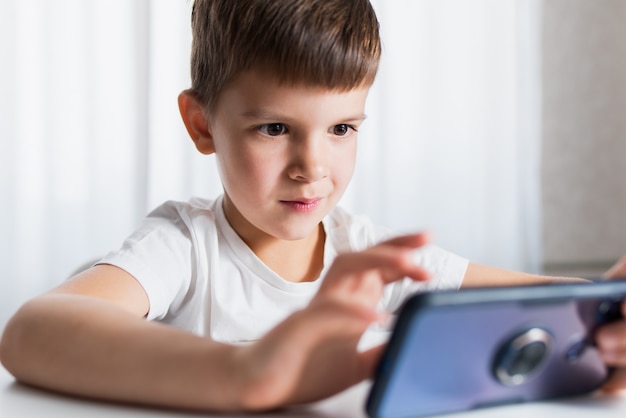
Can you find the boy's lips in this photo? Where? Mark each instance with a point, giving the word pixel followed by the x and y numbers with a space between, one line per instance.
pixel 303 204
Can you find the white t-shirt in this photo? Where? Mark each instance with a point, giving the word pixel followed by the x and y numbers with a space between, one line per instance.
pixel 200 276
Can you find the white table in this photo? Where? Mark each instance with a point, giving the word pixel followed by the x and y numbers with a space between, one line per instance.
pixel 19 401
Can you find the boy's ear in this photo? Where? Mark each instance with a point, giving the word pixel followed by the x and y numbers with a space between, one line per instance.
pixel 194 117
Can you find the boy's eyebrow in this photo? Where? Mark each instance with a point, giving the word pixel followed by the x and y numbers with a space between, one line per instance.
pixel 261 114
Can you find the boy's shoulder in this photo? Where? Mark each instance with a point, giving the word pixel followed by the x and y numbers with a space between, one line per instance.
pixel 190 208
pixel 354 231
pixel 191 218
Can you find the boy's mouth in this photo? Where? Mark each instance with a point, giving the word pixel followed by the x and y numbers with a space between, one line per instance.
pixel 302 205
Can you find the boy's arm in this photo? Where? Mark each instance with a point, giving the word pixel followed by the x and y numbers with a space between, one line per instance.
pixel 478 275
pixel 89 338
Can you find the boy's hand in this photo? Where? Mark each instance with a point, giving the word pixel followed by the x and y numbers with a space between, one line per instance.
pixel 313 353
pixel 611 338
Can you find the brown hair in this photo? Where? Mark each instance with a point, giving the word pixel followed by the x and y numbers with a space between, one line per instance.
pixel 333 44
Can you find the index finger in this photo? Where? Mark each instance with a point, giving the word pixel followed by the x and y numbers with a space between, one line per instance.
pixel 395 256
pixel 617 271
pixel 414 241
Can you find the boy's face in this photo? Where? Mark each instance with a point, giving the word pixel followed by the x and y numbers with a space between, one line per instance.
pixel 285 154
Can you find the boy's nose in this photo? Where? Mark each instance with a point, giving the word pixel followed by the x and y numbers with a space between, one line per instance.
pixel 309 162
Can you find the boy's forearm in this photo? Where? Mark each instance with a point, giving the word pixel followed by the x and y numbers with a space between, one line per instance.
pixel 478 275
pixel 90 348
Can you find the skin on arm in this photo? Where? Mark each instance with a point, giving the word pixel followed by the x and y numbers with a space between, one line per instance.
pixel 88 337
pixel 478 275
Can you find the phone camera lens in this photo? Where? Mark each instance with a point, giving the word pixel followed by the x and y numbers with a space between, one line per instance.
pixel 528 358
pixel 522 356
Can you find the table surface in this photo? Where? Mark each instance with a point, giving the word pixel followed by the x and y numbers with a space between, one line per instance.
pixel 18 400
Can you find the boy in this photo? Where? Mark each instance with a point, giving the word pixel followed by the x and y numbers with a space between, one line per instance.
pixel 259 298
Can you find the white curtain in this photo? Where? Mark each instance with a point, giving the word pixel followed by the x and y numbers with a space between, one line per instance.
pixel 91 139
pixel 453 142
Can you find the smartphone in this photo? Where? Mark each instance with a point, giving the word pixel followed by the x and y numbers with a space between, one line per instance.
pixel 459 350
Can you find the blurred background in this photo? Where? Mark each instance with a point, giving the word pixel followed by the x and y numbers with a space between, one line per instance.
pixel 498 125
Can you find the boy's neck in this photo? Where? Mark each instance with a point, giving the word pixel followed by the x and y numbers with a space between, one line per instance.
pixel 300 260
pixel 294 261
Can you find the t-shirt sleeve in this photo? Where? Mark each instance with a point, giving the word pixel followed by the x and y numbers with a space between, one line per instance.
pixel 159 256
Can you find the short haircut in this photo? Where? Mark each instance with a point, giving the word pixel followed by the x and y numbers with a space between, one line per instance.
pixel 332 44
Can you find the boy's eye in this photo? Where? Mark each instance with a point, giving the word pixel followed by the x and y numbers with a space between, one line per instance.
pixel 341 130
pixel 273 129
